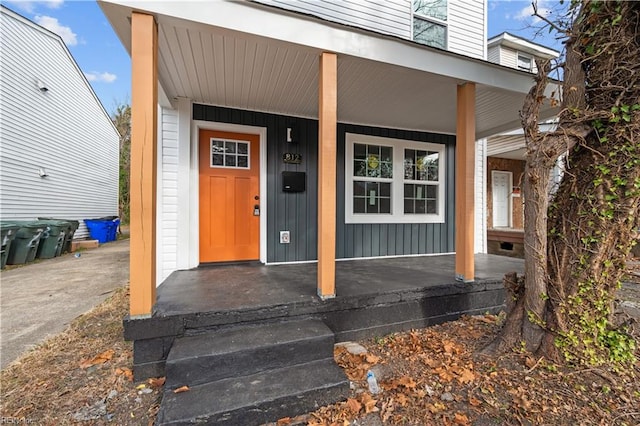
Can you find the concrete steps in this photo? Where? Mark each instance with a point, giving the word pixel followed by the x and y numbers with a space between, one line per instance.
pixel 252 374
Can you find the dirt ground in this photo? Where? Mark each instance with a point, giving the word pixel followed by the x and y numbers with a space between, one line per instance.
pixel 432 376
pixel 82 375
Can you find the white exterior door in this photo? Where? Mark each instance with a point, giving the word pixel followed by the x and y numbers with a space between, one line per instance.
pixel 501 183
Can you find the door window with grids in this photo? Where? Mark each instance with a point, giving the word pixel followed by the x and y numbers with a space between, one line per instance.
pixel 229 154
pixel 393 180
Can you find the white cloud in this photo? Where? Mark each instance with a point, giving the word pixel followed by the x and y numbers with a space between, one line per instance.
pixel 102 77
pixel 30 6
pixel 52 24
pixel 526 13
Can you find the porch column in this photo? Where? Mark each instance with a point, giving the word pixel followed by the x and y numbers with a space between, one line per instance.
pixel 465 181
pixel 142 186
pixel 327 148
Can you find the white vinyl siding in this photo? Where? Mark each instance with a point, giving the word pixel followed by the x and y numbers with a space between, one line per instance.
pixel 508 57
pixel 64 130
pixel 384 16
pixel 168 196
pixel 481 196
pixel 466 30
pixel 493 54
pixel 465 21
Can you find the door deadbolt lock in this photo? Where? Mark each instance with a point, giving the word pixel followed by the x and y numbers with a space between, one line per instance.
pixel 256 210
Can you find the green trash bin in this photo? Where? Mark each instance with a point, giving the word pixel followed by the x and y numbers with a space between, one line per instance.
pixel 8 231
pixel 72 227
pixel 52 238
pixel 25 244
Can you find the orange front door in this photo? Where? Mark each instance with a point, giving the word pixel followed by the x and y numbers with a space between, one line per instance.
pixel 229 196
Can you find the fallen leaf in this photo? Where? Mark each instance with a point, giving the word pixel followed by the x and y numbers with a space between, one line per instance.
pixel 181 389
pixel 402 400
pixel 444 375
pixel 354 405
pixel 436 407
pixel 407 382
pixel 98 359
pixel 448 347
pixel 126 372
pixel 427 359
pixel 466 376
pixel 461 419
pixel 474 401
pixel 157 382
pixel 488 318
pixel 141 386
pixel 284 421
pixel 369 404
pixel 373 359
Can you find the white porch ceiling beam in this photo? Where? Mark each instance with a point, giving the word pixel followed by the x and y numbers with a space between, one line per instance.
pixel 277 24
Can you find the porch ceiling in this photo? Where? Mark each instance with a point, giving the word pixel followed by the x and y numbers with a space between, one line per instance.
pixel 221 66
pixel 506 146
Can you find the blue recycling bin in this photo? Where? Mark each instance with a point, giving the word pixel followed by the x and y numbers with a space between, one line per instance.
pixel 98 229
pixel 103 229
pixel 113 229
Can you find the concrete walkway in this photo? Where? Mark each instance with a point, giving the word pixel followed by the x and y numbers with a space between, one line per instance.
pixel 39 300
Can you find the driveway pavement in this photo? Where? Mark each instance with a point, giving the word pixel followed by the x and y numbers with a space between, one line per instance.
pixel 40 299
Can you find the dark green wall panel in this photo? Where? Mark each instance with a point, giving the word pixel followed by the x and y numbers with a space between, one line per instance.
pixel 297 212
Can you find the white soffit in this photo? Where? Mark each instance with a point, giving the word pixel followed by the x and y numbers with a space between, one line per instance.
pixel 268 61
pixel 501 146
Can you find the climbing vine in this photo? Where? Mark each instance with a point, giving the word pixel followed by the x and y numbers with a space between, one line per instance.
pixel 572 271
pixel 595 212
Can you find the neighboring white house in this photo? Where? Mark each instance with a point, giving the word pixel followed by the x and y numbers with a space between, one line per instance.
pixel 504 206
pixel 59 148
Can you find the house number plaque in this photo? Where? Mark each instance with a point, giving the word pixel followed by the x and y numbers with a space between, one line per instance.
pixel 291 158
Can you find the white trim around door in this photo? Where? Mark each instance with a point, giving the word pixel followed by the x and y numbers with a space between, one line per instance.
pixel 194 196
pixel 500 197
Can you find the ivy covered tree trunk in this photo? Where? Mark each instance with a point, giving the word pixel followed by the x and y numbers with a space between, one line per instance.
pixel 574 261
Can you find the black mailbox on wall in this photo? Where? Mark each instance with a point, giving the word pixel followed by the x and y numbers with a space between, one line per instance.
pixel 294 181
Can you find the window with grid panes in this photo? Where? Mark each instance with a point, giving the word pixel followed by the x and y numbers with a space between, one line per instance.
pixel 393 180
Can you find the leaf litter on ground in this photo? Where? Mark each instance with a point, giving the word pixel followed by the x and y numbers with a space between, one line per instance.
pixel 432 376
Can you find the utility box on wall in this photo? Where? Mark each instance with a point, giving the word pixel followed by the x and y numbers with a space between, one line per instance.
pixel 294 181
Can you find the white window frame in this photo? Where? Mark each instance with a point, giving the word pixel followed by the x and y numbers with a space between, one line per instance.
pixel 527 56
pixel 236 141
pixel 397 185
pixel 433 20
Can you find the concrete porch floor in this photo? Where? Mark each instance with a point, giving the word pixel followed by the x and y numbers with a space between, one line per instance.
pixel 252 286
pixel 374 297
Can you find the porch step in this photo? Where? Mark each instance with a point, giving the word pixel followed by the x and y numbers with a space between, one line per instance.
pixel 249 375
pixel 195 360
pixel 258 398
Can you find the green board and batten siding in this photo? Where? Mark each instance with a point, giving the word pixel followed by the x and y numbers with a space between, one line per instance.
pixel 297 212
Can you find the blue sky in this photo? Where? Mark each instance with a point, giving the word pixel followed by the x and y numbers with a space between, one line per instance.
pixel 105 62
